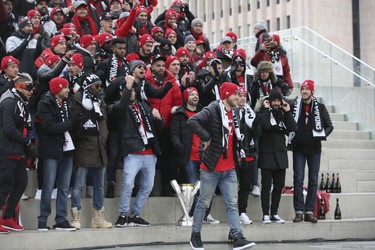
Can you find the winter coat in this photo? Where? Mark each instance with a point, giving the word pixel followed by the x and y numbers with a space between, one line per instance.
pixel 207 125
pixel 131 141
pixel 52 128
pixel 5 84
pixel 12 124
pixel 272 143
pixel 171 99
pixel 91 150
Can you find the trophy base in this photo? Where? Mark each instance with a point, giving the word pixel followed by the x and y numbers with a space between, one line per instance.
pixel 185 222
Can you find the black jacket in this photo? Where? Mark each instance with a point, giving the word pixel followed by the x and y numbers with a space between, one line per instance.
pixel 303 140
pixel 12 123
pixel 131 141
pixel 51 128
pixel 5 84
pixel 207 125
pixel 104 70
pixel 181 137
pixel 272 143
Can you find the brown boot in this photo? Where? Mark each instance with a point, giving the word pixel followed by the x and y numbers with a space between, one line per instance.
pixel 311 218
pixel 98 221
pixel 76 216
pixel 298 218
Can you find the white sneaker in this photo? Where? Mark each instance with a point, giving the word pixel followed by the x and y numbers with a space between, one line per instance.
pixel 256 191
pixel 211 220
pixel 38 194
pixel 24 197
pixel 277 219
pixel 54 194
pixel 244 219
pixel 266 219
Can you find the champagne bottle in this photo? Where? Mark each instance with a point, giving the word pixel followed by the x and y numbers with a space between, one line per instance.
pixel 322 214
pixel 338 184
pixel 333 184
pixel 328 185
pixel 337 210
pixel 322 187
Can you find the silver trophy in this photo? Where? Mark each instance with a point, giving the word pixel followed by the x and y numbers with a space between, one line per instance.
pixel 185 193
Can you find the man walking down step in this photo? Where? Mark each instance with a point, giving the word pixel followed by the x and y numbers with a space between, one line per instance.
pixel 216 125
pixel 314 125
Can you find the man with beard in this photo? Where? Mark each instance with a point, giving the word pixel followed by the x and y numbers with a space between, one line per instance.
pixel 272 51
pixel 314 125
pixel 9 72
pixel 187 70
pixel 48 24
pixel 10 20
pixel 105 49
pixel 15 146
pixel 217 127
pixel 23 44
pixel 159 77
pixel 146 43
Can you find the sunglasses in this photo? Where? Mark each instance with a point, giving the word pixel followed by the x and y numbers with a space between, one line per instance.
pixel 141 67
pixel 27 86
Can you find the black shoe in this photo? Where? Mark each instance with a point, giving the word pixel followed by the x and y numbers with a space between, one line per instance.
pixel 110 190
pixel 42 227
pixel 64 226
pixel 241 243
pixel 311 218
pixel 298 218
pixel 196 242
pixel 137 221
pixel 230 237
pixel 122 221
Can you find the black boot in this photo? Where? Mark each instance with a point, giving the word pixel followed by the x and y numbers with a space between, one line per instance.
pixel 196 242
pixel 240 243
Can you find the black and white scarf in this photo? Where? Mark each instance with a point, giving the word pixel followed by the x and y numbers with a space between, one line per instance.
pixel 63 109
pixel 248 114
pixel 22 106
pixel 225 130
pixel 274 56
pixel 276 118
pixel 317 126
pixel 143 122
pixel 75 81
pixel 264 88
pixel 143 91
pixel 112 70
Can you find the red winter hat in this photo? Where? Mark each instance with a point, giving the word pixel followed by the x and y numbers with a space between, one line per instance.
pixel 156 29
pixel 145 38
pixel 227 89
pixel 77 59
pixel 66 31
pixel 51 59
pixel 242 90
pixel 69 25
pixel 87 40
pixel 241 53
pixel 56 40
pixel 277 38
pixel 141 9
pixel 103 38
pixel 170 13
pixel 187 92
pixel 182 51
pixel 169 31
pixel 232 35
pixel 8 60
pixel 57 84
pixel 309 84
pixel 170 59
pixel 32 13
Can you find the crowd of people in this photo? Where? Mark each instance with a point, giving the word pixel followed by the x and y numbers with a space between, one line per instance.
pixel 87 84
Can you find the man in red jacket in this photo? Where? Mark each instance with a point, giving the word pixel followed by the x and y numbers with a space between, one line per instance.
pixel 159 76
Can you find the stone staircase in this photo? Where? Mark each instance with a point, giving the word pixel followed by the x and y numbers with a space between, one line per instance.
pixel 347 151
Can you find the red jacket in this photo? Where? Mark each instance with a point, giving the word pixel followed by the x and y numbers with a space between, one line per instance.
pixel 171 99
pixel 264 56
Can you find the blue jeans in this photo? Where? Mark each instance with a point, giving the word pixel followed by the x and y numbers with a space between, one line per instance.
pixel 190 172
pixel 227 182
pixel 144 167
pixel 98 184
pixel 313 164
pixel 62 171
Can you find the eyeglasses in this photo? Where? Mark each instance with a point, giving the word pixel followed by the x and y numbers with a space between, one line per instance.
pixel 141 67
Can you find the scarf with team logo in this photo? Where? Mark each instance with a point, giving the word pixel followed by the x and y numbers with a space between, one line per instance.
pixel 114 69
pixel 317 126
pixel 143 122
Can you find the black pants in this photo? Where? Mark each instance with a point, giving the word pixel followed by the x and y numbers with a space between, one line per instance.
pixel 277 177
pixel 13 182
pixel 244 176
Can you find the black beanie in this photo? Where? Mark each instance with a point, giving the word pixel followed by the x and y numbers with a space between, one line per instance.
pixel 275 94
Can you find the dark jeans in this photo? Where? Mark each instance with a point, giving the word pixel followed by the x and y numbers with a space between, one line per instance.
pixel 277 177
pixel 313 165
pixel 13 182
pixel 245 177
pixel 113 150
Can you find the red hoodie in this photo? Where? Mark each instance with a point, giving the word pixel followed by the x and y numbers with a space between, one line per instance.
pixel 171 99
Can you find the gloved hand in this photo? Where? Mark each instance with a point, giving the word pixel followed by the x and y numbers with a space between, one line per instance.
pixel 30 150
pixel 168 85
pixel 186 8
pixel 217 73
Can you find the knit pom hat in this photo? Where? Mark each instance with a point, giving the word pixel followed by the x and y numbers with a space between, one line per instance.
pixel 182 51
pixel 145 38
pixel 87 40
pixel 8 60
pixel 309 84
pixel 169 61
pixel 51 59
pixel 275 95
pixel 227 89
pixel 196 21
pixel 57 84
pixel 156 29
pixel 187 92
pixel 189 38
pixel 56 40
pixel 232 35
pixel 77 59
pixel 170 13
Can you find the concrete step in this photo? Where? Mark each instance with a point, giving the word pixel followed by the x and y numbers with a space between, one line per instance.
pixel 167 210
pixel 349 134
pixel 360 154
pixel 337 117
pixel 345 125
pixel 125 238
pixel 347 144
pixel 167 234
